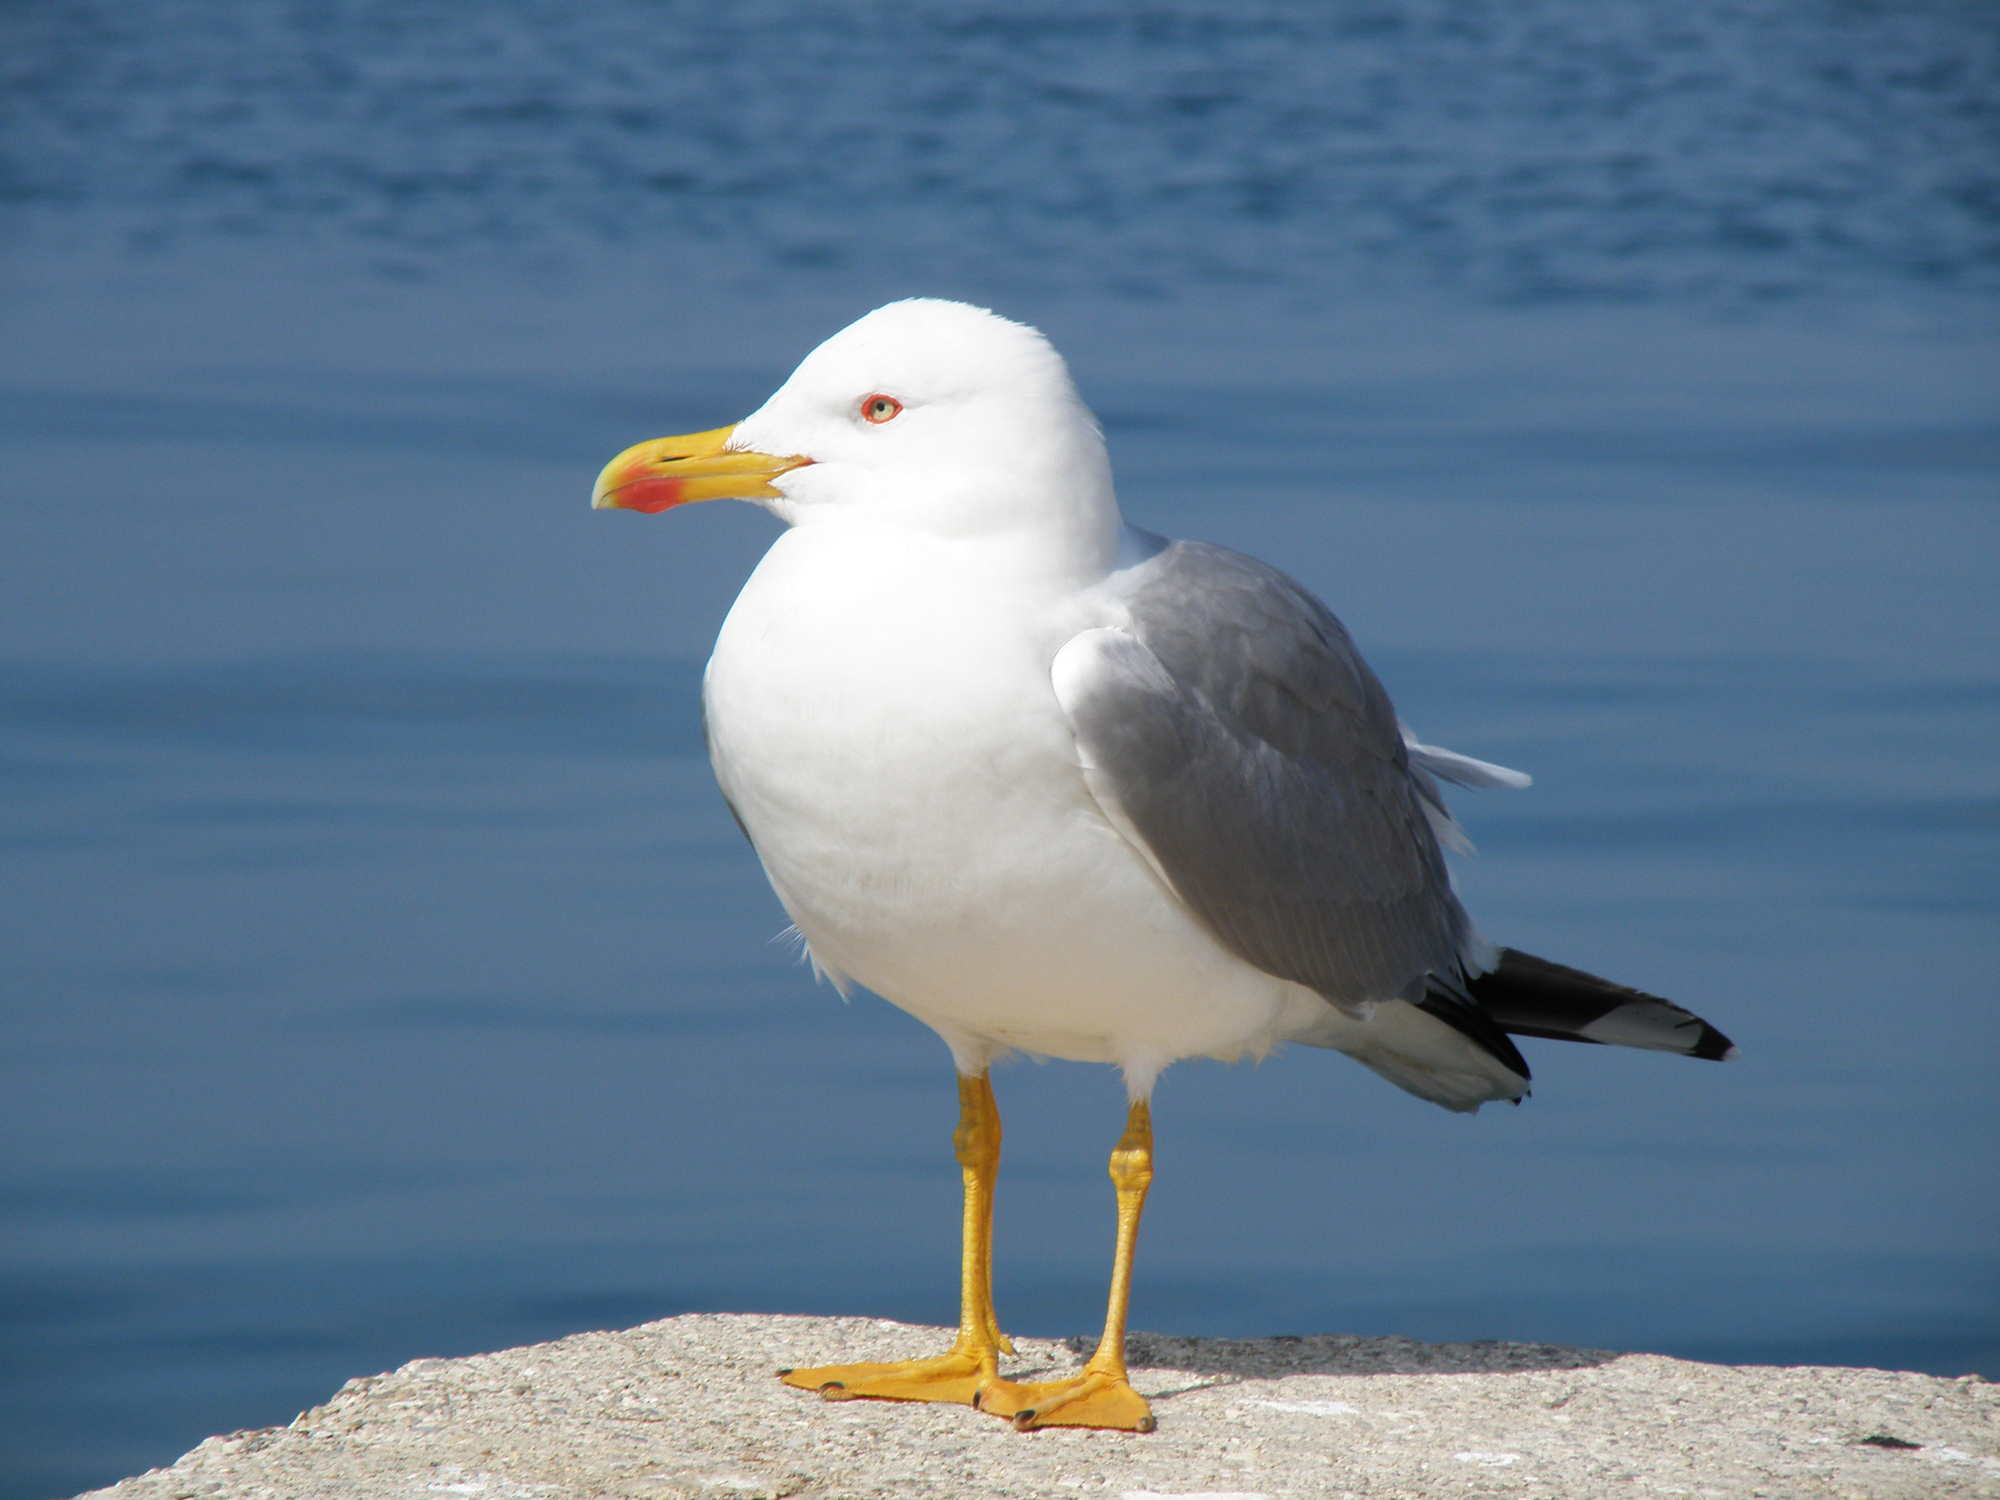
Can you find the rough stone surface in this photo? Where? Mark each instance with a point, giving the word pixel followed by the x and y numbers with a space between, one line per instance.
pixel 689 1407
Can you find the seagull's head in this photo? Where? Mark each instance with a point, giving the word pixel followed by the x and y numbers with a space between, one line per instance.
pixel 926 415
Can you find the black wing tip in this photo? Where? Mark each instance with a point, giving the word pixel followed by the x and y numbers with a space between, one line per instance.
pixel 1530 996
pixel 1713 1046
pixel 1450 1004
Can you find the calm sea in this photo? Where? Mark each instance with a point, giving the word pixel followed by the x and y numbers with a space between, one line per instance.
pixel 383 976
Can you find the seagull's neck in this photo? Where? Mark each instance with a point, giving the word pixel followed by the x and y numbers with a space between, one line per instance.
pixel 1035 537
pixel 1076 550
pixel 1033 559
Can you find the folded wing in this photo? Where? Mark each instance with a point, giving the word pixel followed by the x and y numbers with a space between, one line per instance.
pixel 1236 737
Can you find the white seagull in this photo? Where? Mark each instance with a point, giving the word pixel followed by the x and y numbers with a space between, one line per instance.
pixel 1052 783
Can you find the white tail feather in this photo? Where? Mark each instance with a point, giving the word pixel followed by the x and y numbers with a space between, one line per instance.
pixel 1462 770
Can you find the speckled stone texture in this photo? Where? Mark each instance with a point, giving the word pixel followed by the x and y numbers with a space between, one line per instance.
pixel 690 1407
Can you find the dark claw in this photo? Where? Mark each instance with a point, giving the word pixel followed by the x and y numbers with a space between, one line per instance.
pixel 784 1372
pixel 1147 1423
pixel 1024 1421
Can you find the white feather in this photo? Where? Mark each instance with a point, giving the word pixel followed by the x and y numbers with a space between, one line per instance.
pixel 1462 770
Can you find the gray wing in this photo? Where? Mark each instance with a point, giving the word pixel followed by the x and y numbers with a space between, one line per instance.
pixel 1234 734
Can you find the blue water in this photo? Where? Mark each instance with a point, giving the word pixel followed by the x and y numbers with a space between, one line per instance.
pixel 384 976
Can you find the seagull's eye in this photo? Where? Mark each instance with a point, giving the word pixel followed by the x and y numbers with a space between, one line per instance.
pixel 880 408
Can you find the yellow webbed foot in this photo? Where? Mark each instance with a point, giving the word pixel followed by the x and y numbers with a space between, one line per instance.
pixel 952 1377
pixel 1095 1398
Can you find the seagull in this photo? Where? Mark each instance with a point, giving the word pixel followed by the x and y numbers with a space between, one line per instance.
pixel 1054 784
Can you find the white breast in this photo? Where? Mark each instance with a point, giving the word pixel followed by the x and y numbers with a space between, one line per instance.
pixel 881 717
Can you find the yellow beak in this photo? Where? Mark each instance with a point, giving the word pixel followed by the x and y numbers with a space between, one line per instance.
pixel 672 471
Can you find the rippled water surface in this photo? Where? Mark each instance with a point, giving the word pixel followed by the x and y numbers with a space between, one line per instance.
pixel 383 975
pixel 1559 147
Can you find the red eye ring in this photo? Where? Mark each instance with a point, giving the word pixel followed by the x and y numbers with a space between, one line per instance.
pixel 879 408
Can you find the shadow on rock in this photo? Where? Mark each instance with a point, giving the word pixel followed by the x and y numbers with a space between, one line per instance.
pixel 1345 1354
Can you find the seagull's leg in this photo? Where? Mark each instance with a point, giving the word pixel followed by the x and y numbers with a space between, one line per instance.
pixel 979 1163
pixel 1099 1395
pixel 974 1356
